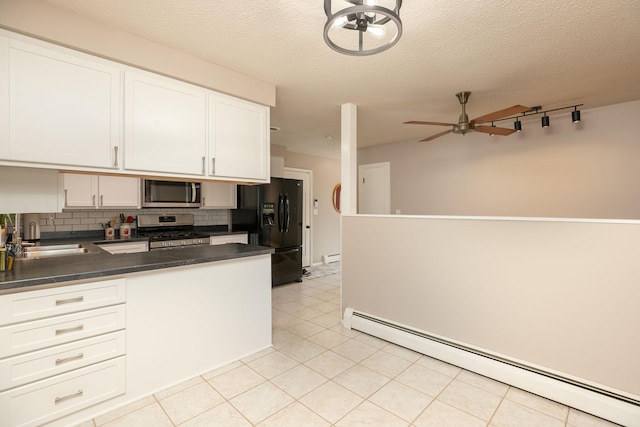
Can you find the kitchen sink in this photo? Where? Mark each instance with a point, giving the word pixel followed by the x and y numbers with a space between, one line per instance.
pixel 33 252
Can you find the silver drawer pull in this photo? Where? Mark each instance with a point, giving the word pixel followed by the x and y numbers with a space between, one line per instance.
pixel 69 396
pixel 70 300
pixel 69 359
pixel 64 331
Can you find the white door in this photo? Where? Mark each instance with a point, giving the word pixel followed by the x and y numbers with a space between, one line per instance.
pixel 307 196
pixel 374 188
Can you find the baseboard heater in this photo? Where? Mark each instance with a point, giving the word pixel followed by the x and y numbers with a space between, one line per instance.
pixel 326 259
pixel 592 398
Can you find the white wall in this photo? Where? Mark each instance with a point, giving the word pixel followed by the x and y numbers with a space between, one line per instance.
pixel 562 295
pixel 588 170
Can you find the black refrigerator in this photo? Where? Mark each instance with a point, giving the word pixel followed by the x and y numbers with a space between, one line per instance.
pixel 272 214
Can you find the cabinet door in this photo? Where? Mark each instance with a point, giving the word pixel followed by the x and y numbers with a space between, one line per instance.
pixel 218 195
pixel 118 191
pixel 238 139
pixel 80 191
pixel 165 125
pixel 59 107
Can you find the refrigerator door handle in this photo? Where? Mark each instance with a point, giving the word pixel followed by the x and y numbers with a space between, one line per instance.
pixel 289 251
pixel 281 213
pixel 287 213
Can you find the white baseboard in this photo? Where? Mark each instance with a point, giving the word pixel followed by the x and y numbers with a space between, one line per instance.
pixel 595 399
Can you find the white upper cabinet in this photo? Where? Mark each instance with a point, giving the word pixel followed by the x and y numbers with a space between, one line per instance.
pixel 217 195
pixel 92 191
pixel 58 107
pixel 238 139
pixel 66 110
pixel 165 125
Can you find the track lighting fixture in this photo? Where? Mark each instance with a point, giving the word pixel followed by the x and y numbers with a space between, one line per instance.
pixel 575 115
pixel 517 125
pixel 492 133
pixel 545 121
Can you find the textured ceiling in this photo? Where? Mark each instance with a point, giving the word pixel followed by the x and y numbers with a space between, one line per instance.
pixel 549 53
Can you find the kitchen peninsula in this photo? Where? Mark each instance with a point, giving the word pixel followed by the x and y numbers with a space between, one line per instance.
pixel 85 334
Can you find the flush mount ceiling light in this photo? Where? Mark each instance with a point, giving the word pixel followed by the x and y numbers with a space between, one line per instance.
pixel 365 27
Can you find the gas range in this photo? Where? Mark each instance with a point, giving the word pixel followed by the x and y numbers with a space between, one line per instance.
pixel 170 231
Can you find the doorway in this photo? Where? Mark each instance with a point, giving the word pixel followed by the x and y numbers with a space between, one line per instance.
pixel 374 194
pixel 307 192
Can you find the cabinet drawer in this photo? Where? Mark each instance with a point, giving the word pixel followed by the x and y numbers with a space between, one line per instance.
pixel 26 368
pixel 23 306
pixel 229 238
pixel 46 400
pixel 37 334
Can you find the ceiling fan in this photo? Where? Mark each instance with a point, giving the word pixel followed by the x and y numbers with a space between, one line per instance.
pixel 465 125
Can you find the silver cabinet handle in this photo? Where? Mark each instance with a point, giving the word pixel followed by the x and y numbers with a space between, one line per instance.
pixel 73 329
pixel 102 200
pixel 93 200
pixel 115 161
pixel 65 197
pixel 69 396
pixel 204 162
pixel 69 300
pixel 69 359
pixel 213 166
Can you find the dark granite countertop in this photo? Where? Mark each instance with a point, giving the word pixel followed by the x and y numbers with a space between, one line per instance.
pixel 98 263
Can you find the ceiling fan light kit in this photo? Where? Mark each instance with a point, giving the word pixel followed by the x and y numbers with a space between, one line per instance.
pixel 465 125
pixel 363 29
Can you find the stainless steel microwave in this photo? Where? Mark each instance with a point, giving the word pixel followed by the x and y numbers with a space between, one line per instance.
pixel 170 194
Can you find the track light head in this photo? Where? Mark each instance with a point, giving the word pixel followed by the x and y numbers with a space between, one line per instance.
pixel 545 121
pixel 492 134
pixel 575 115
pixel 517 125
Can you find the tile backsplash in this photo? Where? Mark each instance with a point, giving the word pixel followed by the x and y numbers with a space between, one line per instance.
pixel 90 219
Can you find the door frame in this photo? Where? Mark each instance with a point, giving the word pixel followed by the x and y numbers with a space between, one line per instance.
pixel 306 176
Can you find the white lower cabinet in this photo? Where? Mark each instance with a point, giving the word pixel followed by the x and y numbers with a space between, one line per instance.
pixel 46 400
pixel 63 350
pixel 125 248
pixel 228 238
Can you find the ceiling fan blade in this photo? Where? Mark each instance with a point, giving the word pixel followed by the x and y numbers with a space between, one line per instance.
pixel 494 130
pixel 437 135
pixel 516 109
pixel 417 122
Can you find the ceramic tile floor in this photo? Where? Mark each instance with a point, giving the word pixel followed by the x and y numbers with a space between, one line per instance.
pixel 321 374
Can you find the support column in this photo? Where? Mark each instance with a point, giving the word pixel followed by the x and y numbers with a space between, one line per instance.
pixel 348 159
